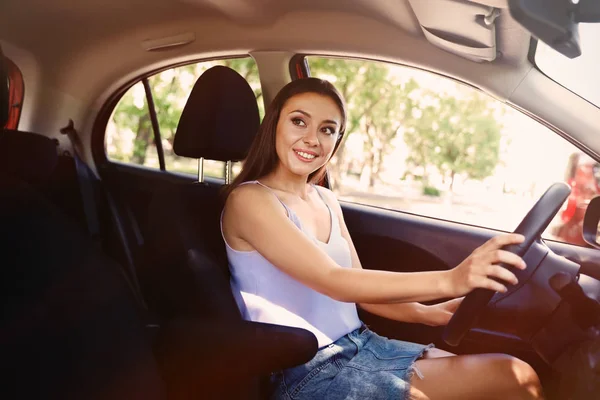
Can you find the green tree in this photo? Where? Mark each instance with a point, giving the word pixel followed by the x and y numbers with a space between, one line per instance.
pixel 383 120
pixel 133 115
pixel 458 136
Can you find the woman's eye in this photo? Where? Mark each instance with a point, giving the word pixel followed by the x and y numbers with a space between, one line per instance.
pixel 298 122
pixel 329 130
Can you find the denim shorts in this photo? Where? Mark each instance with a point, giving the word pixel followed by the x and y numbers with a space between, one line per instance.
pixel 359 365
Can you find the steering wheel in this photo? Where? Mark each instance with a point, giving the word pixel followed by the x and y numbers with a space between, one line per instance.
pixel 532 227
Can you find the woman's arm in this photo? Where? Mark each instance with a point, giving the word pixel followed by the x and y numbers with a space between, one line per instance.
pixel 255 216
pixel 405 312
pixel 417 313
pixel 412 312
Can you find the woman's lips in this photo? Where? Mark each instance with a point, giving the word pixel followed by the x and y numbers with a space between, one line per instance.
pixel 305 156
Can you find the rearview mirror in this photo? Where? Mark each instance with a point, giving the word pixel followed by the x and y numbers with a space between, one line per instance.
pixel 591 222
pixel 555 22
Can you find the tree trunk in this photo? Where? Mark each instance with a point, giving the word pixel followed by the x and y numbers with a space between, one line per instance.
pixel 371 164
pixel 452 176
pixel 377 167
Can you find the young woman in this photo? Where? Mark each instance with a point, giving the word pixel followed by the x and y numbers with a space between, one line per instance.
pixel 293 263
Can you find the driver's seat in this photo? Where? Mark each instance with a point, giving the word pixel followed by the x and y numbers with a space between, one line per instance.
pixel 185 277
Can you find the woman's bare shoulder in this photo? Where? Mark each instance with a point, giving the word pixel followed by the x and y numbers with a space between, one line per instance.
pixel 250 197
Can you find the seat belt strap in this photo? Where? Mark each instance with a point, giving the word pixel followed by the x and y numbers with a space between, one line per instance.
pixel 85 178
pixel 86 189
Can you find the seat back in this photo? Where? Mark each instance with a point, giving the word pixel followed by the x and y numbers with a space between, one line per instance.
pixel 218 122
pixel 69 327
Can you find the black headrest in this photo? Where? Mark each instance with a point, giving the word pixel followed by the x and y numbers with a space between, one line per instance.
pixel 28 156
pixel 4 106
pixel 220 118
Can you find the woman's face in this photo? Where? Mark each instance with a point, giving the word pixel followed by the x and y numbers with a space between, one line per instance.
pixel 307 131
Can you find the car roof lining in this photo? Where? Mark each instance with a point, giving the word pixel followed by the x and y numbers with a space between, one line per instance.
pixel 354 34
pixel 59 22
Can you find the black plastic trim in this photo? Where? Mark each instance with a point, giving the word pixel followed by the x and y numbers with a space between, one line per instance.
pixel 533 44
pixel 155 126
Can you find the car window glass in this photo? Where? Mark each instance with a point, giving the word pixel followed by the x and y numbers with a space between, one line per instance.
pixel 425 144
pixel 129 137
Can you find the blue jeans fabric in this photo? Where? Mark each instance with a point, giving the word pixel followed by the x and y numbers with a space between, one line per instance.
pixel 359 365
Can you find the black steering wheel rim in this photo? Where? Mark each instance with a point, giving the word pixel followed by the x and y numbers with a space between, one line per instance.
pixel 532 227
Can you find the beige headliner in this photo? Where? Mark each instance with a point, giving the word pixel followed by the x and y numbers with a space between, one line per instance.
pixel 75 53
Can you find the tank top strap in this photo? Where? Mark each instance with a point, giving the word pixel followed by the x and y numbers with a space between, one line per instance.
pixel 335 225
pixel 287 209
pixel 290 213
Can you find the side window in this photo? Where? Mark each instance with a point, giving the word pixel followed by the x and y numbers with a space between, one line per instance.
pixel 129 135
pixel 425 144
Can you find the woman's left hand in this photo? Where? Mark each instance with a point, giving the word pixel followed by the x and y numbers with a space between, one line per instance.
pixel 440 314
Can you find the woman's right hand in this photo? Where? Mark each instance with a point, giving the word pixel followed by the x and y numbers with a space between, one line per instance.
pixel 482 266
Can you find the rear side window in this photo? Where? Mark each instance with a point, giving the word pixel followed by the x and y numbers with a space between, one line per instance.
pixel 129 135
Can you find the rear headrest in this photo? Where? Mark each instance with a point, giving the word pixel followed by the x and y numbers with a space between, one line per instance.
pixel 220 118
pixel 4 106
pixel 28 156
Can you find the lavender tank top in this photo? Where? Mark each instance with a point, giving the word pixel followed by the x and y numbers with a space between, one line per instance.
pixel 266 294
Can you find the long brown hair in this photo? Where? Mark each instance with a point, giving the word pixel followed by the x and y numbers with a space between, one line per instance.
pixel 262 157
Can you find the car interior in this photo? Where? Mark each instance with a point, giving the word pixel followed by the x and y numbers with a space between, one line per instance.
pixel 115 283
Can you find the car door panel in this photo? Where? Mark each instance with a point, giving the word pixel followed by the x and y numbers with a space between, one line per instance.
pixel 135 186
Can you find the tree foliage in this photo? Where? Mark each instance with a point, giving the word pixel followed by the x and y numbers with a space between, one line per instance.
pixel 457 136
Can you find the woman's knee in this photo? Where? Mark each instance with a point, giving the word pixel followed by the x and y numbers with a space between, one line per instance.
pixel 497 376
pixel 522 380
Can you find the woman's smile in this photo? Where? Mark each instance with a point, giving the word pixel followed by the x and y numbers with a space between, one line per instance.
pixel 305 155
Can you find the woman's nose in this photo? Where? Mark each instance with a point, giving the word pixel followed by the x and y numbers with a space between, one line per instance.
pixel 311 138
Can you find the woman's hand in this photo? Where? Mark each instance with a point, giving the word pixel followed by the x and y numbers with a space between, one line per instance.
pixel 440 314
pixel 482 270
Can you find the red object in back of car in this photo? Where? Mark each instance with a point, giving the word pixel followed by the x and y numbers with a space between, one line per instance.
pixel 15 95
